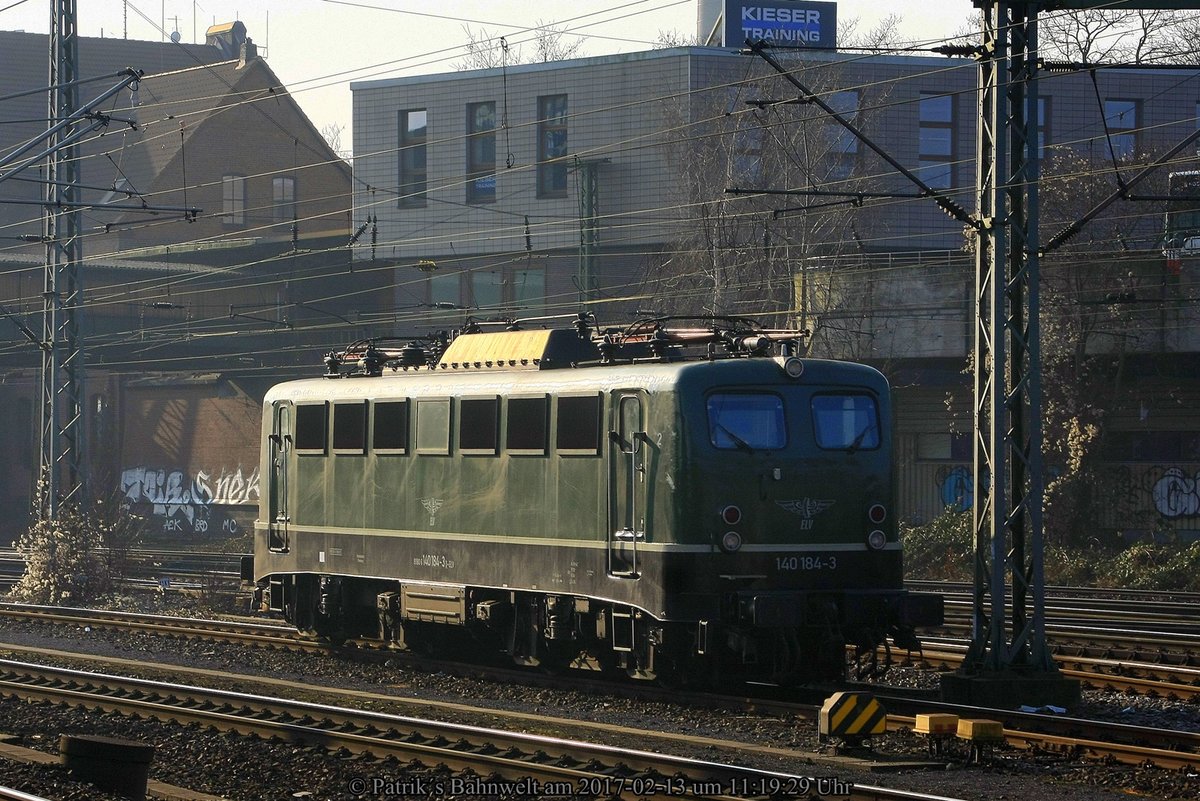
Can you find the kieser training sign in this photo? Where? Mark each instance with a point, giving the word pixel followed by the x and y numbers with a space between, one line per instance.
pixel 782 22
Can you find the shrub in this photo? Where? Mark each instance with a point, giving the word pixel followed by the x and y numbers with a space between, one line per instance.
pixel 942 549
pixel 75 557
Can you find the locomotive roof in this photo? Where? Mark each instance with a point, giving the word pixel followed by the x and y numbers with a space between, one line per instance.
pixel 650 375
pixel 650 354
pixel 519 350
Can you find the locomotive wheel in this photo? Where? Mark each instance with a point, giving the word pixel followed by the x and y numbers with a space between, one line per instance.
pixel 420 639
pixel 327 632
pixel 557 657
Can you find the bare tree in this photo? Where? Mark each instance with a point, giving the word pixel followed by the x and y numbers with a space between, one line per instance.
pixel 332 133
pixel 1132 36
pixel 1097 310
pixel 675 38
pixel 782 259
pixel 486 49
pixel 885 34
pixel 551 43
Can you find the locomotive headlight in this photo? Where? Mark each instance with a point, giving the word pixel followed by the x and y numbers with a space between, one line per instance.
pixel 876 540
pixel 731 542
pixel 793 367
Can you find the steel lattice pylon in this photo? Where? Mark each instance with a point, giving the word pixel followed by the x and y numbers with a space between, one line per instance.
pixel 62 443
pixel 1008 436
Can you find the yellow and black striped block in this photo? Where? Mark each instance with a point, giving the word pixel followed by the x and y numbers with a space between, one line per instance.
pixel 852 715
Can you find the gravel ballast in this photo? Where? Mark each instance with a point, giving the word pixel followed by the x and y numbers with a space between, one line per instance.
pixel 242 768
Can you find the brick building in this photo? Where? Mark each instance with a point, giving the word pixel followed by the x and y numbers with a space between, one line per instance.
pixel 215 258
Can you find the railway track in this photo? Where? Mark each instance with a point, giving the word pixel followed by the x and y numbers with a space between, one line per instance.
pixel 1117 742
pixel 154 569
pixel 246 631
pixel 1070 610
pixel 488 761
pixel 1162 677
pixel 1156 679
pixel 9 794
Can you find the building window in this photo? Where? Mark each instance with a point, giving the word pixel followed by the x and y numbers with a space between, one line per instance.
pixel 552 146
pixel 1122 119
pixel 481 152
pixel 1151 446
pixel 529 289
pixel 944 447
pixel 509 288
pixel 444 291
pixel 747 166
pixel 487 289
pixel 935 149
pixel 283 199
pixel 412 157
pixel 1043 126
pixel 843 145
pixel 233 200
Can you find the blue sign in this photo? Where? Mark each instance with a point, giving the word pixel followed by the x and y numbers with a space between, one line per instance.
pixel 781 22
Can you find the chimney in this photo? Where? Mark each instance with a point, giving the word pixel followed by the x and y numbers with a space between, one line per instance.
pixel 227 38
pixel 249 53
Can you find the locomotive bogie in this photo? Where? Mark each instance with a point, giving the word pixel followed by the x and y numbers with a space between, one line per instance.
pixel 694 518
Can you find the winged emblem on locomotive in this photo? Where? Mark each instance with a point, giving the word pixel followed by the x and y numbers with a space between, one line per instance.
pixel 432 505
pixel 806 508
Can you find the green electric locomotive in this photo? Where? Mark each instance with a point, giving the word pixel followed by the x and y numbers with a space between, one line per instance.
pixel 575 497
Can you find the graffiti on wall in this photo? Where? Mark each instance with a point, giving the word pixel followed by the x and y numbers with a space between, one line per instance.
pixel 956 488
pixel 1176 494
pixel 183 503
pixel 1171 492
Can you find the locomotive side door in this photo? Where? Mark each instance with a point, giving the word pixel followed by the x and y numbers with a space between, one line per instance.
pixel 627 484
pixel 280 452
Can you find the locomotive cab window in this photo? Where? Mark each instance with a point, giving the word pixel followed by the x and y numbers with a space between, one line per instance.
pixel 390 432
pixel 433 426
pixel 845 422
pixel 310 428
pixel 578 431
pixel 528 420
pixel 746 421
pixel 350 427
pixel 479 426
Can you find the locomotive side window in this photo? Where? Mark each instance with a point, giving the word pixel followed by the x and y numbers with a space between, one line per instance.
pixel 528 420
pixel 845 422
pixel 746 421
pixel 578 425
pixel 479 426
pixel 350 427
pixel 433 426
pixel 310 428
pixel 390 434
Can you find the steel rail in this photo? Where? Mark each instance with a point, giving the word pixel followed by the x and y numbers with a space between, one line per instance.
pixel 548 764
pixel 241 631
pixel 10 794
